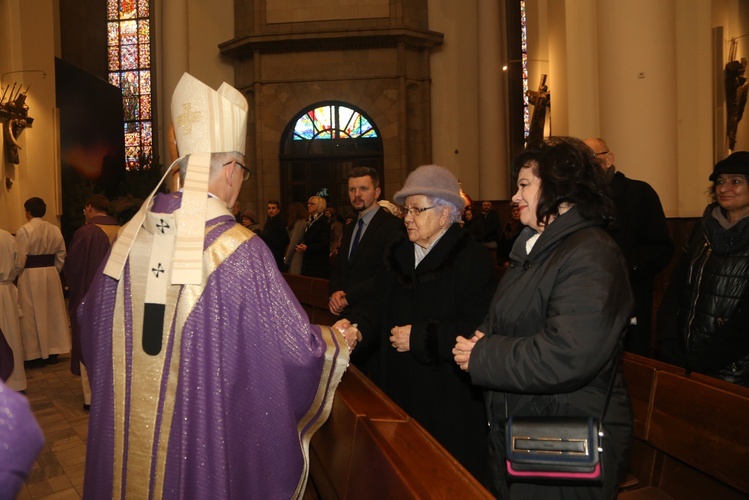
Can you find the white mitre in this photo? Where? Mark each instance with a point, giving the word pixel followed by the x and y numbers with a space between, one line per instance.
pixel 205 121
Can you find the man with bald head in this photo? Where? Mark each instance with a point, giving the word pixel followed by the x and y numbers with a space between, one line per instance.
pixel 641 231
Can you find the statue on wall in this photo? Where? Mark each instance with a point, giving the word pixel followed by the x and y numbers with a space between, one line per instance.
pixel 736 87
pixel 14 115
pixel 541 99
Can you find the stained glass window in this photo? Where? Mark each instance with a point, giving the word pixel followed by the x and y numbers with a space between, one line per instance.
pixel 333 121
pixel 129 41
pixel 524 57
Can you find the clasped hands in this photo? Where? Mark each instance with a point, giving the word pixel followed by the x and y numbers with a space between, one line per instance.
pixel 350 332
pixel 463 348
pixel 337 302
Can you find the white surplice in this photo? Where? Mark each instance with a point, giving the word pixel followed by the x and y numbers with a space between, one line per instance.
pixel 44 324
pixel 9 310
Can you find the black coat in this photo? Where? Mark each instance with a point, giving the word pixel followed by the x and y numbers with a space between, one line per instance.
pixel 316 260
pixel 552 333
pixel 445 296
pixel 641 232
pixel 276 237
pixel 489 226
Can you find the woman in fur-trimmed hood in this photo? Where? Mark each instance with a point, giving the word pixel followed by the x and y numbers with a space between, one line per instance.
pixel 435 285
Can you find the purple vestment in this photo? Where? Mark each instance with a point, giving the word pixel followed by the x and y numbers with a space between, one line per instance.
pixel 244 382
pixel 86 252
pixel 21 440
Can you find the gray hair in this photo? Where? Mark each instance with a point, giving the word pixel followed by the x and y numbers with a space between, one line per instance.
pixel 454 213
pixel 218 160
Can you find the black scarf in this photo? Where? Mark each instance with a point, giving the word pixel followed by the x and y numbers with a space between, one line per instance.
pixel 727 241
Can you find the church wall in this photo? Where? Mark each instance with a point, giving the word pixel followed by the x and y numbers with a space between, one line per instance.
pixel 371 58
pixel 28 42
pixel 188 33
pixel 289 11
pixel 455 98
pixel 642 75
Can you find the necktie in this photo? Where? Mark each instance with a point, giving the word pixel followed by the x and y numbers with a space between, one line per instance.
pixel 357 236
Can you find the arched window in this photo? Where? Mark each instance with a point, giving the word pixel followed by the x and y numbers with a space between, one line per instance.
pixel 129 47
pixel 325 128
pixel 319 147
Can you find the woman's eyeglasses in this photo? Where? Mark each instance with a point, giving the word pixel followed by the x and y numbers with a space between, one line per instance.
pixel 415 211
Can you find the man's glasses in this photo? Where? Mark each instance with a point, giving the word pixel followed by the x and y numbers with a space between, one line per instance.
pixel 415 211
pixel 245 174
pixel 601 153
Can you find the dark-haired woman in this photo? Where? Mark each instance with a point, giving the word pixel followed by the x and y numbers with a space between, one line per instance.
pixel 702 320
pixel 549 344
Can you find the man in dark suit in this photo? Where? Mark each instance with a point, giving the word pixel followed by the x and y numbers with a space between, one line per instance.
pixel 274 233
pixel 359 258
pixel 640 230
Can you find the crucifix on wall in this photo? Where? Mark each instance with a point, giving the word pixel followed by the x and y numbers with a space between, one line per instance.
pixel 14 115
pixel 541 100
pixel 736 87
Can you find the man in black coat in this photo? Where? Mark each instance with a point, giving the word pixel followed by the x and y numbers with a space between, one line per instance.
pixel 641 232
pixel 352 275
pixel 274 233
pixel 489 225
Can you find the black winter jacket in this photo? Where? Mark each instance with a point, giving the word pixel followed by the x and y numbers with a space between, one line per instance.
pixel 553 331
pixel 706 306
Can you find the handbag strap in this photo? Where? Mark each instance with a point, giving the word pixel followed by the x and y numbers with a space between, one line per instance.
pixel 610 389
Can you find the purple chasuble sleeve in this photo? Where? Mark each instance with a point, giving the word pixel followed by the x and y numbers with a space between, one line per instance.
pixel 21 440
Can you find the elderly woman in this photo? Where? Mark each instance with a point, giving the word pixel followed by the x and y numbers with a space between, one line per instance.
pixel 549 344
pixel 315 245
pixel 435 285
pixel 703 317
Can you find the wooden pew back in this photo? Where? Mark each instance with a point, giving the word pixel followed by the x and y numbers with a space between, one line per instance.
pixel 370 448
pixel 691 432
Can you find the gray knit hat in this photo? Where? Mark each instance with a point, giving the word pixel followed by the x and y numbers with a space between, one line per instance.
pixel 431 180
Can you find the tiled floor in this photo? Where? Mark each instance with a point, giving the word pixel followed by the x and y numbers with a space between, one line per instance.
pixel 57 401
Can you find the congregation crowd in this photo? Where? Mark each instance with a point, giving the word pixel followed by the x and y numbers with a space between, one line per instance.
pixel 204 377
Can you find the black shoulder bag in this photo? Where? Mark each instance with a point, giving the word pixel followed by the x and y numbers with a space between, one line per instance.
pixel 557 449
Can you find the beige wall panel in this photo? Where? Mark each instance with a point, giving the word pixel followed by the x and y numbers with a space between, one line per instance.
pixel 328 65
pixel 28 35
pixel 295 11
pixel 188 43
pixel 694 127
pixel 638 91
pixel 455 100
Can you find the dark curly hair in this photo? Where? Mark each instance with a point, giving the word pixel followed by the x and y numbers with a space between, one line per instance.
pixel 569 173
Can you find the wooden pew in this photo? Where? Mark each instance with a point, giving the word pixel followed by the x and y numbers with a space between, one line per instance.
pixel 370 448
pixel 691 433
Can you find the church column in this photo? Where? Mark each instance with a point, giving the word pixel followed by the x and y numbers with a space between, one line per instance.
pixel 493 165
pixel 655 78
pixel 172 51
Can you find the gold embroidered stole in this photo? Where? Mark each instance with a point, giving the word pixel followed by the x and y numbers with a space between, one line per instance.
pixel 143 403
pixel 336 362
